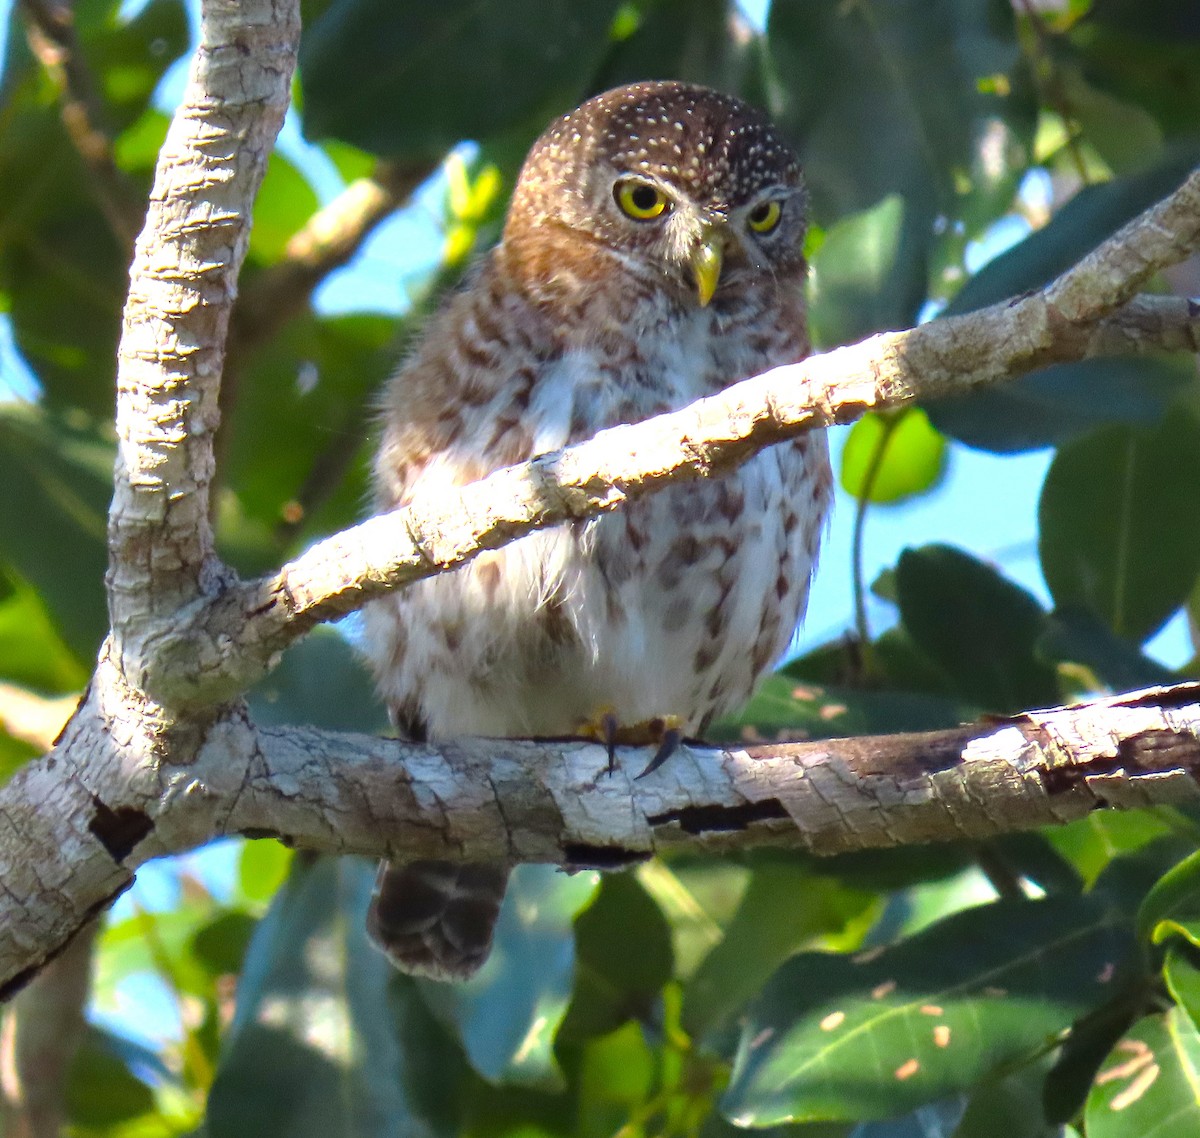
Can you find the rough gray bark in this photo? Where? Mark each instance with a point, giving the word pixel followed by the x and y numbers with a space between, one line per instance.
pixel 161 754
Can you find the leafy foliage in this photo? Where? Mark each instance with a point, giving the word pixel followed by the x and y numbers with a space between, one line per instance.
pixel 880 995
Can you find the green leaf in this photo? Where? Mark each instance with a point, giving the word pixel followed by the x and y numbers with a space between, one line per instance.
pixel 835 1037
pixel 1077 636
pixel 783 708
pixel 1119 523
pixel 298 437
pixel 1092 843
pixel 321 682
pixel 327 1039
pixel 1124 134
pixel 1054 405
pixel 221 944
pixel 1181 970
pixel 859 283
pixel 611 984
pixel 263 868
pixel 284 203
pixel 889 99
pixel 785 907
pixel 616 1077
pixel 32 653
pixel 1147 55
pixel 1088 218
pixel 1149 1084
pixel 57 476
pixel 1009 1107
pixel 60 262
pixel 129 57
pixel 414 80
pixel 14 754
pixel 978 627
pixel 683 39
pixel 101 1089
pixel 1173 905
pixel 506 1016
pixel 913 457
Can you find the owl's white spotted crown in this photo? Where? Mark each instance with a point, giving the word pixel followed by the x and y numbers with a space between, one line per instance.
pixel 714 147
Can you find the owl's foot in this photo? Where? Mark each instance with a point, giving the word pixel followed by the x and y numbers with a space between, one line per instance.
pixel 665 731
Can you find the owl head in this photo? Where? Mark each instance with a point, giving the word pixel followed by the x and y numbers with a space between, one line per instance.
pixel 679 182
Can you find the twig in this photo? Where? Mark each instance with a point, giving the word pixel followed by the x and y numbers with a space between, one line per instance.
pixel 51 36
pixel 327 241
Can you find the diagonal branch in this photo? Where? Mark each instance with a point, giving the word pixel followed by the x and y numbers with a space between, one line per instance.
pixel 328 240
pixel 226 645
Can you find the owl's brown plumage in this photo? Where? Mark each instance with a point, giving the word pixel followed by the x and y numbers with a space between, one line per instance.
pixel 651 255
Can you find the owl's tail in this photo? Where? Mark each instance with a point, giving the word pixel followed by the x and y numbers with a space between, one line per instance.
pixel 436 918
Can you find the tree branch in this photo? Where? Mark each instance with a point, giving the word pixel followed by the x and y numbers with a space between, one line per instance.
pixel 328 240
pixel 74 828
pixel 182 285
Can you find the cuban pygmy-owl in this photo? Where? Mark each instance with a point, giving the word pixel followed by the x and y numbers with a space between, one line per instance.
pixel 651 255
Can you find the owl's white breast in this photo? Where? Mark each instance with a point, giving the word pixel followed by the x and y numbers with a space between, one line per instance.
pixel 674 606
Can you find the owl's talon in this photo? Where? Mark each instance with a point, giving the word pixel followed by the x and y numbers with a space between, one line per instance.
pixel 609 729
pixel 667 746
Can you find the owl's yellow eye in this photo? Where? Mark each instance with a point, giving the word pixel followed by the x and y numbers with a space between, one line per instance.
pixel 640 200
pixel 764 217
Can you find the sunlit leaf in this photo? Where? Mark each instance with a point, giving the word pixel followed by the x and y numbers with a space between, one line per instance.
pixel 327 1039
pixel 506 1015
pixel 1181 971
pixel 1091 843
pixel 912 461
pixel 1149 1084
pixel 1172 907
pixel 862 1037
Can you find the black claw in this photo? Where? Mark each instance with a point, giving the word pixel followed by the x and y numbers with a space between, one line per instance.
pixel 669 744
pixel 608 721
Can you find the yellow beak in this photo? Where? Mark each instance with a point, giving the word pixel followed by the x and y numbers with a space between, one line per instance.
pixel 706 264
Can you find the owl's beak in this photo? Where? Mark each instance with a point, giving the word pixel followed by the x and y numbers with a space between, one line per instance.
pixel 707 257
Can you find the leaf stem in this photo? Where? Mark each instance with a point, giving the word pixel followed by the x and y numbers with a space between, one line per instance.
pixel 888 423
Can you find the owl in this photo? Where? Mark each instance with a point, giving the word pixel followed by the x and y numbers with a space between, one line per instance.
pixel 651 255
